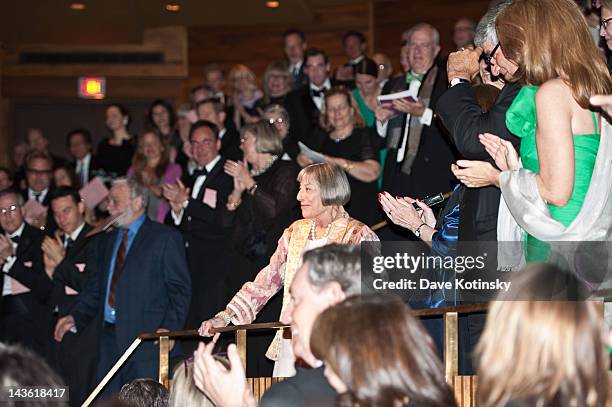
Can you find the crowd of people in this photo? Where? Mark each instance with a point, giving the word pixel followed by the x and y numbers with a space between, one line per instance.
pixel 252 190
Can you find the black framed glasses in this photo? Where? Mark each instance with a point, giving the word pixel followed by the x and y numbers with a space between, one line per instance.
pixel 487 57
pixel 604 23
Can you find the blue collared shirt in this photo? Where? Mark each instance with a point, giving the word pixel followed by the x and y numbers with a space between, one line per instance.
pixel 110 315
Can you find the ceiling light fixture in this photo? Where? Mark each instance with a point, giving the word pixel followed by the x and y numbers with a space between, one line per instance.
pixel 173 8
pixel 272 4
pixel 77 6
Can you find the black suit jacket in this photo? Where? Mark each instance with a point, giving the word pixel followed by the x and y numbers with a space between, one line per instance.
pixel 304 119
pixel 459 111
pixel 153 291
pixel 230 145
pixel 300 80
pixel 430 172
pixel 307 388
pixel 72 272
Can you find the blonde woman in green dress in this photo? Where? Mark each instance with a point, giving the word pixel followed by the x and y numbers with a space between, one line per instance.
pixel 549 45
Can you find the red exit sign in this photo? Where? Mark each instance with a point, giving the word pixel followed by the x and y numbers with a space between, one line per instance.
pixel 92 88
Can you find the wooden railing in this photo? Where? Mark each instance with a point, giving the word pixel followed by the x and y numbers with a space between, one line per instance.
pixel 259 385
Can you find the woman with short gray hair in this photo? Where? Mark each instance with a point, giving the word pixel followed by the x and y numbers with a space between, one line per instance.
pixel 324 189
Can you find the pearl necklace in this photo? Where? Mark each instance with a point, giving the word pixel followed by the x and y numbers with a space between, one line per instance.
pixel 313 231
pixel 255 173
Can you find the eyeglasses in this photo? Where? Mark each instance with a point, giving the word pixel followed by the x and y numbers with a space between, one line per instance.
pixel 10 210
pixel 487 57
pixel 278 120
pixel 604 23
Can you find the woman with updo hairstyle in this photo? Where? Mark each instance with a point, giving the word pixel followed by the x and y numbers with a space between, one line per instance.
pixel 114 154
pixel 376 353
pixel 542 346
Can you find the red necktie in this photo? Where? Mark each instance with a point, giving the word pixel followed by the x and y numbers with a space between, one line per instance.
pixel 118 267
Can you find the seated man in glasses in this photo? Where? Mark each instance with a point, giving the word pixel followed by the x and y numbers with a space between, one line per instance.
pixel 38 166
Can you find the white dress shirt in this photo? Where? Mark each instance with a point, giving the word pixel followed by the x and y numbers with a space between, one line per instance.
pixel 8 263
pixel 41 196
pixel 318 100
pixel 82 167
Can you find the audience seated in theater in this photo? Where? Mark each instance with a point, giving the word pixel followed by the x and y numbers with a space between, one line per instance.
pixel 345 142
pixel 25 315
pixel 260 207
pixel 561 138
pixel 114 153
pixel 304 103
pixel 65 258
pixel 243 94
pixel 324 189
pixel 20 368
pixel 404 371
pixel 80 147
pixel 327 276
pixel 354 45
pixel 385 68
pixel 278 116
pixel 419 154
pixel 463 33
pixel 552 339
pixel 197 210
pixel 152 168
pixel 294 42
pixel 139 283
pixel 6 178
pixel 213 110
pixel 183 392
pixel 276 84
pixel 38 180
pixel 144 393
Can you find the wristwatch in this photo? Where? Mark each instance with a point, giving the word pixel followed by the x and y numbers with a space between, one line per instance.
pixel 456 81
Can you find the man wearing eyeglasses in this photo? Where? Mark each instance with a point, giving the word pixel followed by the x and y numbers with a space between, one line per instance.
pixel 605 28
pixel 197 206
pixel 459 111
pixel 39 167
pixel 25 315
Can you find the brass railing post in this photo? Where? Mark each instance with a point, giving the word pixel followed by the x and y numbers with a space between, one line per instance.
pixel 451 346
pixel 241 345
pixel 164 354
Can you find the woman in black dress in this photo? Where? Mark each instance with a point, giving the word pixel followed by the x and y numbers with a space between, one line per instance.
pixel 114 154
pixel 347 143
pixel 262 204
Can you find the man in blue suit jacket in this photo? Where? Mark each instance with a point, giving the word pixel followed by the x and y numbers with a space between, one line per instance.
pixel 139 283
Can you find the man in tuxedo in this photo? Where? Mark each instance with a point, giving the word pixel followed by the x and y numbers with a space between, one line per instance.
pixel 213 110
pixel 139 283
pixel 459 111
pixel 65 259
pixel 354 44
pixel 295 45
pixel 197 211
pixel 304 104
pixel 39 167
pixel 420 155
pixel 79 144
pixel 25 313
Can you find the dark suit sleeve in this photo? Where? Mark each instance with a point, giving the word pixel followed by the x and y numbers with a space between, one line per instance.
pixel 68 274
pixel 33 276
pixel 205 213
pixel 177 281
pixel 89 300
pixel 459 111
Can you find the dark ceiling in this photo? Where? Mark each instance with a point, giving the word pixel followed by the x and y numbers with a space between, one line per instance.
pixel 112 21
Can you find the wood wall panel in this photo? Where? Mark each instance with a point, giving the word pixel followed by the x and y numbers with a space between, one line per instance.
pixel 258 45
pixel 392 17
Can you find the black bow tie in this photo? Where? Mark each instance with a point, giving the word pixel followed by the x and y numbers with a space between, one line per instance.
pixel 199 172
pixel 317 93
pixel 15 239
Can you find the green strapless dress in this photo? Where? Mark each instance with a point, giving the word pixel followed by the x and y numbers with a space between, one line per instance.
pixel 521 121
